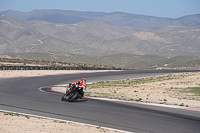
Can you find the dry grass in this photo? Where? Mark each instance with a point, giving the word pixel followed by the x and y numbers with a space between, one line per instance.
pixel 174 89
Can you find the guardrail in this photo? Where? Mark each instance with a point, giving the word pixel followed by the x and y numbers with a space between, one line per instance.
pixel 49 68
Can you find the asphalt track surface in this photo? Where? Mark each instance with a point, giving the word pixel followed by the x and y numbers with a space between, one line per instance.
pixel 22 95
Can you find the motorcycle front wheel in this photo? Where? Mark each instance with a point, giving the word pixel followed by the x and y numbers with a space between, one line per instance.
pixel 73 97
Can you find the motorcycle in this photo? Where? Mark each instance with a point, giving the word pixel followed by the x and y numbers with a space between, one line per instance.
pixel 74 92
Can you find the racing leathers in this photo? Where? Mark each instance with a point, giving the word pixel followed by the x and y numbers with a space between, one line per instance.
pixel 82 86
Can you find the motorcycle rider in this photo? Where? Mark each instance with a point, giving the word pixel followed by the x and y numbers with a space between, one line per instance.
pixel 82 85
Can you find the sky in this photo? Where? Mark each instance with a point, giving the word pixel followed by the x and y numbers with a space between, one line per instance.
pixel 158 8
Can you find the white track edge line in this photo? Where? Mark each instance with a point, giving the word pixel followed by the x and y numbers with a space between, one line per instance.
pixel 149 104
pixel 153 104
pixel 37 116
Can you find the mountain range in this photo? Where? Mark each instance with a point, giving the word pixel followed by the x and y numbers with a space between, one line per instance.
pixel 114 18
pixel 93 37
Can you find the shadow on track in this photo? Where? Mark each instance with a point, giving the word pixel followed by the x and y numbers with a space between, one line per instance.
pixel 77 101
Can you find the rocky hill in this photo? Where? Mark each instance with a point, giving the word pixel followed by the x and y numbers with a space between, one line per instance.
pixel 88 40
pixel 96 38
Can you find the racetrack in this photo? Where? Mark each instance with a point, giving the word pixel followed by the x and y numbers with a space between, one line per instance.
pixel 22 95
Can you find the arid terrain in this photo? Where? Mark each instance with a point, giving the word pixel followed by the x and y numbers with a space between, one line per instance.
pixel 173 89
pixel 14 123
pixel 98 38
pixel 17 73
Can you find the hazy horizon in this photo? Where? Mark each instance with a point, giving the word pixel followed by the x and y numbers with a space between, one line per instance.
pixel 157 8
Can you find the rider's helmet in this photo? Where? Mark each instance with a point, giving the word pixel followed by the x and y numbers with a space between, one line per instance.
pixel 83 79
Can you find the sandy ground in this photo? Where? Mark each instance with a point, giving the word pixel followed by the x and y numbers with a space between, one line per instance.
pixel 25 124
pixel 164 90
pixel 16 73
